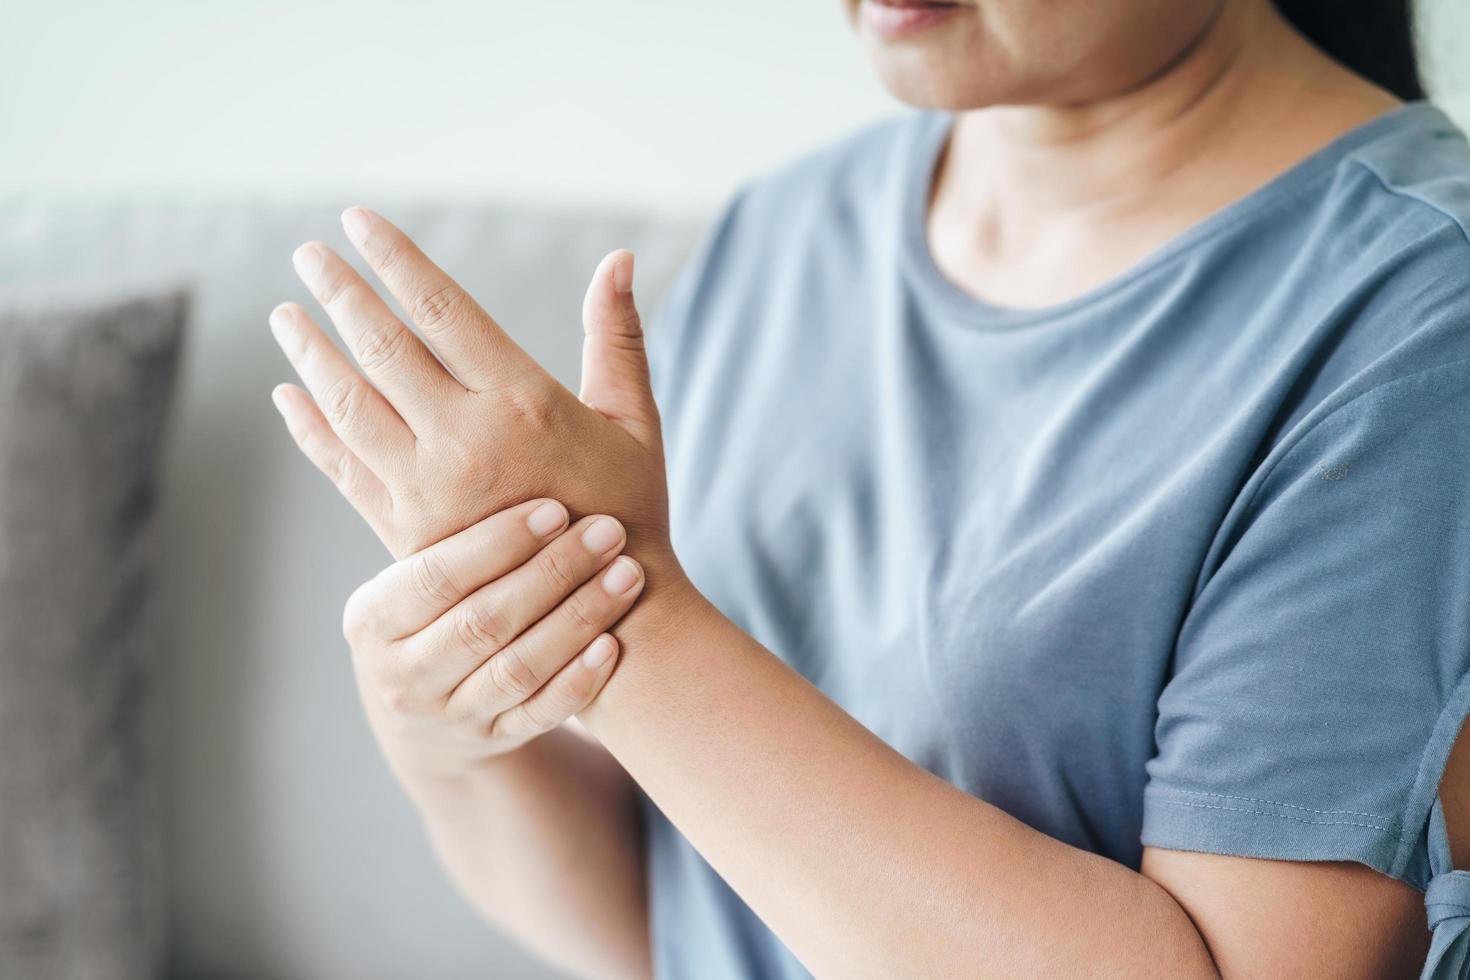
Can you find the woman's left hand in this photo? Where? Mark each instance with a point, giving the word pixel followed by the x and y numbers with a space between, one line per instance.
pixel 479 643
pixel 423 449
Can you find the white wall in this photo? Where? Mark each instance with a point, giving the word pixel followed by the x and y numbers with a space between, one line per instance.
pixel 645 102
pixel 664 103
pixel 1444 41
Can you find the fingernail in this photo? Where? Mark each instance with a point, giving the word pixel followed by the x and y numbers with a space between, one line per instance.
pixel 308 260
pixel 355 222
pixel 602 536
pixel 623 273
pixel 283 328
pixel 621 576
pixel 599 653
pixel 278 398
pixel 547 518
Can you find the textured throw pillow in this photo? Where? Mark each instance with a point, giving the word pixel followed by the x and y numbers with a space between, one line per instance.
pixel 84 399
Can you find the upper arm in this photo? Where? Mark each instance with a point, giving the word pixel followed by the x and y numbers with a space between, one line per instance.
pixel 1454 795
pixel 1263 918
pixel 1311 919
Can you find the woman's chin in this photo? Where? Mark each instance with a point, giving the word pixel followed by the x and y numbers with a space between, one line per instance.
pixel 932 56
pixel 930 80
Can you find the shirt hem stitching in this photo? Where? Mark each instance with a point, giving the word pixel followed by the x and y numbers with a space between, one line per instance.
pixel 1290 806
pixel 1282 816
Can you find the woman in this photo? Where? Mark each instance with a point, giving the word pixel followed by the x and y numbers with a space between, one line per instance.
pixel 1071 518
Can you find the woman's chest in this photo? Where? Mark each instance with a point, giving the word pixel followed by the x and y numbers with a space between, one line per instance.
pixel 991 580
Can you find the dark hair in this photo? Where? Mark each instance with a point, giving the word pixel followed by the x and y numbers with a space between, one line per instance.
pixel 1375 38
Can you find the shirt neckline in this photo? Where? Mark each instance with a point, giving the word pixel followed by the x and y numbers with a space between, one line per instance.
pixel 933 135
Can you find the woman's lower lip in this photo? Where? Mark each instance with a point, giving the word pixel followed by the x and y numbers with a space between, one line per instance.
pixel 893 22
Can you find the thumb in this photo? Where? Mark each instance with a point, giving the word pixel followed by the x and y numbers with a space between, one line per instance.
pixel 614 363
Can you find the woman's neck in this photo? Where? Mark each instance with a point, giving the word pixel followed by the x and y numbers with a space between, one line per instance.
pixel 1032 205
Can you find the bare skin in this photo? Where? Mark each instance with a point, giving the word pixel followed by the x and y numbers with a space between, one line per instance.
pixel 790 799
pixel 1033 206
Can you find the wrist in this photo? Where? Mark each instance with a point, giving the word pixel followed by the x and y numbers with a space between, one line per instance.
pixel 670 608
pixel 660 637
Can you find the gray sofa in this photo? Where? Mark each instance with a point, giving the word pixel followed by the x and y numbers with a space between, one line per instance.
pixel 287 850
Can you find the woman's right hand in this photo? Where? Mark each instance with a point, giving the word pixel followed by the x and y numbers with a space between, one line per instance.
pixel 479 643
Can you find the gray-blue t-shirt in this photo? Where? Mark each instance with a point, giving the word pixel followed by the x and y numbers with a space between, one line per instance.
pixel 1183 562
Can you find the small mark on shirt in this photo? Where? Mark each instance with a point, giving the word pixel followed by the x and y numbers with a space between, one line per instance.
pixel 1336 472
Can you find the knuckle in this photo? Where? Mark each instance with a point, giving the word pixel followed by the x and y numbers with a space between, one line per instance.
pixel 364 625
pixel 511 677
pixel 627 345
pixel 461 452
pixel 536 718
pixel 481 627
pixel 413 664
pixel 628 325
pixel 406 681
pixel 438 307
pixel 557 570
pixel 573 693
pixel 398 699
pixel 508 726
pixel 432 581
pixel 335 466
pixel 582 613
pixel 382 349
pixel 580 690
pixel 356 618
pixel 389 254
pixel 531 405
pixel 341 401
pixel 334 287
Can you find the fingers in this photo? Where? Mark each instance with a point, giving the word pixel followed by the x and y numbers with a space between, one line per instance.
pixel 470 343
pixel 391 356
pixel 326 450
pixel 410 594
pixel 614 362
pixel 366 423
pixel 517 671
pixel 449 649
pixel 569 691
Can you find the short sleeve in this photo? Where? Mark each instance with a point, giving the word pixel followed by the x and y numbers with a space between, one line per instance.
pixel 1319 677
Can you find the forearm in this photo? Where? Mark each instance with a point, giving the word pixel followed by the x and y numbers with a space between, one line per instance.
pixel 546 842
pixel 862 862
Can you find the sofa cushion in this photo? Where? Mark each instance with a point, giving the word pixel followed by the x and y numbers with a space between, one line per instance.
pixel 84 396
